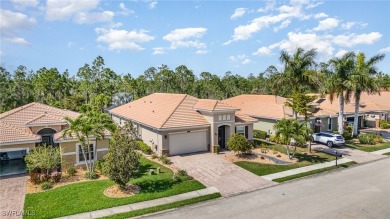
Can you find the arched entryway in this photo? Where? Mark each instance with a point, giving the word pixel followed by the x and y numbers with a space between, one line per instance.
pixel 223 133
pixel 47 136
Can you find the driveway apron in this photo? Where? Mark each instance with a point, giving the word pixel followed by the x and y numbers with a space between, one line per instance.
pixel 12 194
pixel 214 170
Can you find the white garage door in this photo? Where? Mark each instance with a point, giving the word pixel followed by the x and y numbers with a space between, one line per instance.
pixel 187 142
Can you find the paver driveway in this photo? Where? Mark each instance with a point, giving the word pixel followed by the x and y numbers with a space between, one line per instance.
pixel 213 170
pixel 12 193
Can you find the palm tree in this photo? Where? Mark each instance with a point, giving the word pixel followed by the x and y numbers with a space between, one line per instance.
pixel 288 130
pixel 297 72
pixel 340 83
pixel 364 79
pixel 90 124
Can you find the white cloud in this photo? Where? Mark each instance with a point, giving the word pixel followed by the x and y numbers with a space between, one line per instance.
pixel 239 12
pixel 17 40
pixel 321 15
pixel 350 25
pixel 186 37
pixel 242 59
pixel 326 24
pixel 269 6
pixel 124 10
pixel 201 51
pixel 283 25
pixel 81 12
pixel 340 53
pixel 325 44
pixel 70 44
pixel 286 12
pixel 22 4
pixel 385 50
pixel 314 4
pixel 159 51
pixel 11 23
pixel 123 39
pixel 153 4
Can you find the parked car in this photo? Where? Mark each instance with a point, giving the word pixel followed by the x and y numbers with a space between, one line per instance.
pixel 329 139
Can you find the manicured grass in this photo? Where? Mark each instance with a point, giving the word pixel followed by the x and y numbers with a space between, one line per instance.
pixel 368 148
pixel 283 179
pixel 388 154
pixel 88 196
pixel 164 207
pixel 304 158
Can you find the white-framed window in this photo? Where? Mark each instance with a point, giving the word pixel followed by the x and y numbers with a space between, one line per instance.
pixel 79 153
pixel 240 130
pixel 329 124
pixel 228 117
pixel 220 117
pixel 225 117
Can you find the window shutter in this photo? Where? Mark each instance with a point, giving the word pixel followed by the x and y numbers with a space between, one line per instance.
pixel 246 132
pixel 235 129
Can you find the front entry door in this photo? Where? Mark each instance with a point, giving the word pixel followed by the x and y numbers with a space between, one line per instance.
pixel 221 136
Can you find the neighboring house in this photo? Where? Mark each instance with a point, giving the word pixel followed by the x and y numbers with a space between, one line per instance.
pixel 29 126
pixel 268 109
pixel 174 124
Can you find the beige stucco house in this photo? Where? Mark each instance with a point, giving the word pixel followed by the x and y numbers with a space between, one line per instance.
pixel 175 124
pixel 29 126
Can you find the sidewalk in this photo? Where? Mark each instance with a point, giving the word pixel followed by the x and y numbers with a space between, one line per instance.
pixel 305 169
pixel 143 205
pixel 380 152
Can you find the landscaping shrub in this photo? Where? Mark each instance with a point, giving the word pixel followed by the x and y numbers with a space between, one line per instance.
pixel 347 134
pixel 154 156
pixel 91 175
pixel 164 159
pixel 181 176
pixel 370 139
pixel 217 149
pixel 56 176
pixel 238 143
pixel 144 147
pixel 99 165
pixel 384 124
pixel 46 186
pixel 260 134
pixel 71 171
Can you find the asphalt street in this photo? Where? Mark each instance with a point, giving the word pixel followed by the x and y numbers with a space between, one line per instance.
pixel 362 191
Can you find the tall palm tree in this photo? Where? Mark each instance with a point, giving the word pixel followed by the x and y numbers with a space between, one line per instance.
pixel 297 71
pixel 90 124
pixel 284 131
pixel 339 82
pixel 365 80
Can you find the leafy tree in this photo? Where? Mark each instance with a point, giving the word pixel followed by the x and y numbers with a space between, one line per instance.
pixel 340 82
pixel 364 79
pixel 91 124
pixel 44 158
pixel 122 161
pixel 239 144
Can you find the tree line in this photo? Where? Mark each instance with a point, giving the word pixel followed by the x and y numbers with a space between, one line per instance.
pixel 99 85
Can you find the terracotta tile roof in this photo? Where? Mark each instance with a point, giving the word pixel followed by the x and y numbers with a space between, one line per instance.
pixel 262 106
pixel 58 137
pixel 211 105
pixel 244 118
pixel 162 110
pixel 368 102
pixel 32 113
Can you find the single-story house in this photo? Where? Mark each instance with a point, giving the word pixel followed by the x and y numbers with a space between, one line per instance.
pixel 173 124
pixel 268 109
pixel 29 126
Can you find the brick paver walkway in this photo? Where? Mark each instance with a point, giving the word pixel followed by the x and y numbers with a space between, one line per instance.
pixel 214 170
pixel 12 193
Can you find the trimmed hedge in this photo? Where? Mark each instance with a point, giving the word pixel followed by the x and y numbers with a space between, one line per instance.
pixel 260 134
pixel 144 147
pixel 370 139
pixel 384 124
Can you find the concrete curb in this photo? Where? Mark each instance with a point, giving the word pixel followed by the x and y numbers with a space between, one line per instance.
pixel 380 152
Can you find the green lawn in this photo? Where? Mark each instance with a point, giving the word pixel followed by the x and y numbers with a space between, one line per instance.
pixel 368 148
pixel 88 196
pixel 164 207
pixel 304 160
pixel 283 179
pixel 388 153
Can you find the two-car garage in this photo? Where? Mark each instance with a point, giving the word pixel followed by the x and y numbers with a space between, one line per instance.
pixel 187 142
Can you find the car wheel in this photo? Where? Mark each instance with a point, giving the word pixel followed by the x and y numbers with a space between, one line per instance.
pixel 330 144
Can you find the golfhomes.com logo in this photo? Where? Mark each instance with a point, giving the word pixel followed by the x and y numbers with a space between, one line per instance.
pixel 9 213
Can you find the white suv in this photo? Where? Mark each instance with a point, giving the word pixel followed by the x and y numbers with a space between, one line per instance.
pixel 329 139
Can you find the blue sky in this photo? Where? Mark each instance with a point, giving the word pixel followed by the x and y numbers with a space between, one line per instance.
pixel 215 36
